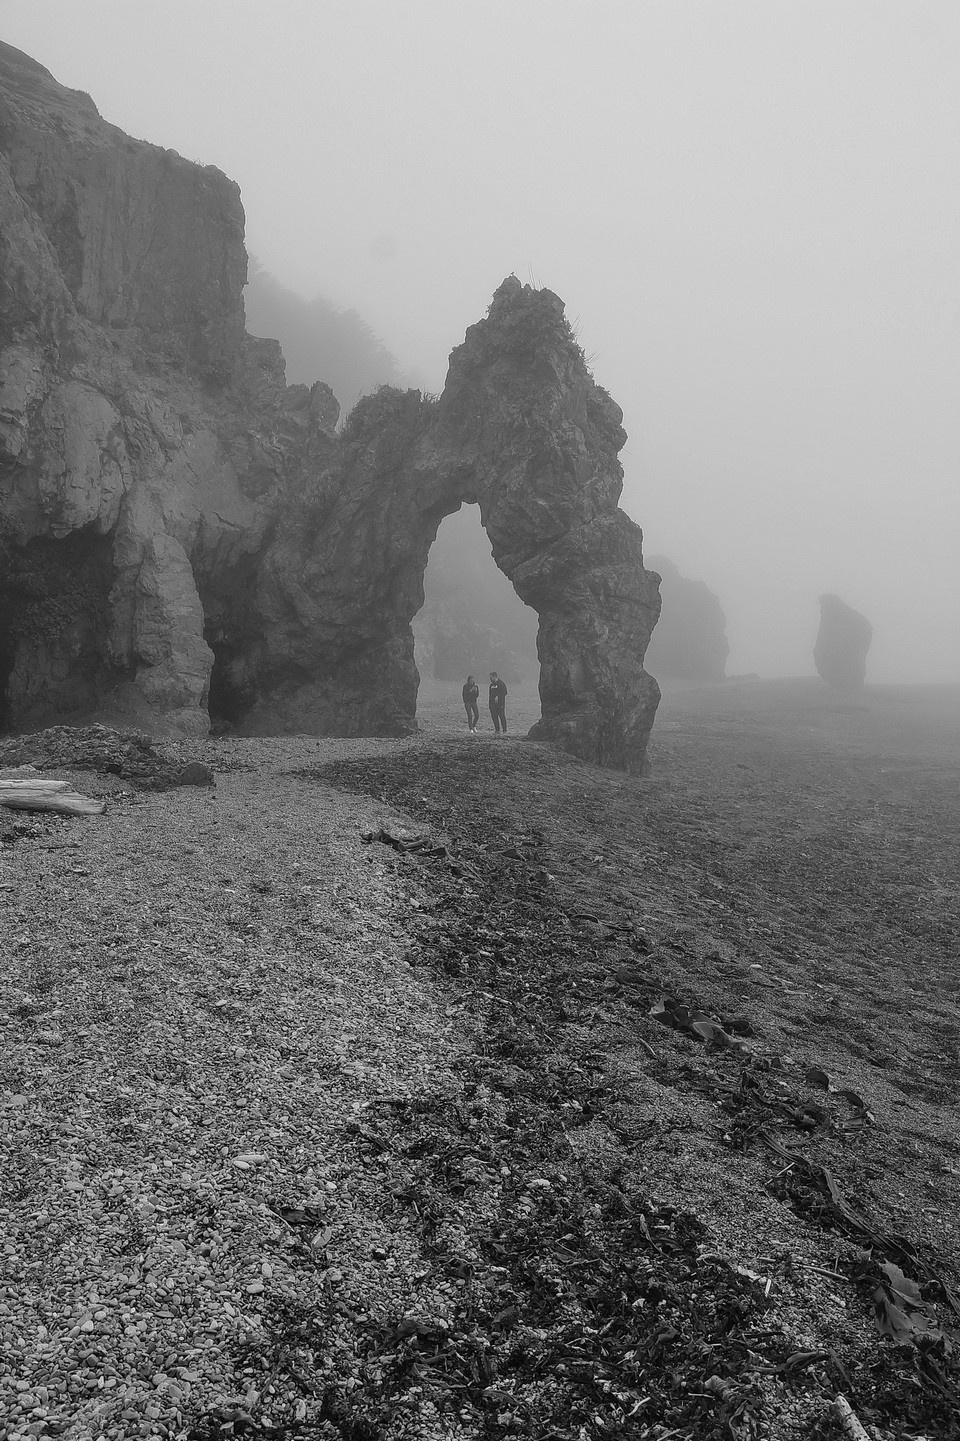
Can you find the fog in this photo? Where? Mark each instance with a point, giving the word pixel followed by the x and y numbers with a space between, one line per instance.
pixel 750 209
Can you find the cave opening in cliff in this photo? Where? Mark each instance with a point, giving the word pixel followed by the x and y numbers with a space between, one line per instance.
pixel 472 620
pixel 227 630
pixel 54 635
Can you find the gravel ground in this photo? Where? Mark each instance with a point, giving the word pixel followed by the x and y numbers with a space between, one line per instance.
pixel 199 991
pixel 208 1227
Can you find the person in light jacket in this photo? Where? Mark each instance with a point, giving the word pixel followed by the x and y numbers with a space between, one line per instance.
pixel 471 696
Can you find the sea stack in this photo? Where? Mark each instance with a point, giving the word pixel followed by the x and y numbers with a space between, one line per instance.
pixel 843 641
pixel 690 639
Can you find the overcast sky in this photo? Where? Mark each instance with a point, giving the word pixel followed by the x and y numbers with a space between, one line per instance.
pixel 750 207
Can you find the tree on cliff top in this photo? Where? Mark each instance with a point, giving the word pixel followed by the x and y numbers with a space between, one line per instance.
pixel 320 340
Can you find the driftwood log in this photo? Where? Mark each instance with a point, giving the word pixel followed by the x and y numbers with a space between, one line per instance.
pixel 32 793
pixel 849 1424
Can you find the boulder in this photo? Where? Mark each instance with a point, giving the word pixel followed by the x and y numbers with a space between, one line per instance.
pixel 690 641
pixel 181 531
pixel 129 754
pixel 843 640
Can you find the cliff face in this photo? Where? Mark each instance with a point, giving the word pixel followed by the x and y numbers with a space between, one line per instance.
pixel 104 225
pixel 179 529
pixel 144 438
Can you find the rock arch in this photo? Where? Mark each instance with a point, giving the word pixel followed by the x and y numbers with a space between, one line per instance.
pixel 521 430
pixel 178 523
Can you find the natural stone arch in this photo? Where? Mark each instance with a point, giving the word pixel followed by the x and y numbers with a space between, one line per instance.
pixel 176 521
pixel 521 430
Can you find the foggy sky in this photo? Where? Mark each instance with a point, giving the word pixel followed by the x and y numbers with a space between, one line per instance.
pixel 750 207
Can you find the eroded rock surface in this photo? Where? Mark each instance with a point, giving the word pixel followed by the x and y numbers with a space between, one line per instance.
pixel 843 641
pixel 521 430
pixel 183 533
pixel 145 439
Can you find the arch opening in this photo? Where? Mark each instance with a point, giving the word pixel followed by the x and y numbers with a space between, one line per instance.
pixel 472 621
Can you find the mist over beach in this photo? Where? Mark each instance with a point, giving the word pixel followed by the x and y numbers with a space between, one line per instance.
pixel 749 210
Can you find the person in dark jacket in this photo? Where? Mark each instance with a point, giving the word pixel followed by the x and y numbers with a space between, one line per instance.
pixel 471 696
pixel 498 701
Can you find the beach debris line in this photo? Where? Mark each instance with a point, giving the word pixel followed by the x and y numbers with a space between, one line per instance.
pixel 671 1012
pixel 129 754
pixel 418 843
pixel 402 838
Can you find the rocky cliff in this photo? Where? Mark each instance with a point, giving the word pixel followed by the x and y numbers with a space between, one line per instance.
pixel 145 439
pixel 180 531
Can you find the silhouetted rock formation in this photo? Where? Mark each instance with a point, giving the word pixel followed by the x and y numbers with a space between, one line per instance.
pixel 690 641
pixel 843 640
pixel 179 527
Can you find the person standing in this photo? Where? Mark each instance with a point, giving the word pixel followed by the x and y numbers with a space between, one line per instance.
pixel 498 702
pixel 471 697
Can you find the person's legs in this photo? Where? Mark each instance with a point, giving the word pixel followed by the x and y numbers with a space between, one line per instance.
pixel 503 716
pixel 495 717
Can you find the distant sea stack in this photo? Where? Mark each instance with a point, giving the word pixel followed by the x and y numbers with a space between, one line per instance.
pixel 690 640
pixel 185 536
pixel 843 641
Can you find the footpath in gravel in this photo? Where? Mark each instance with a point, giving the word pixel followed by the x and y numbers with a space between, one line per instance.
pixel 200 992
